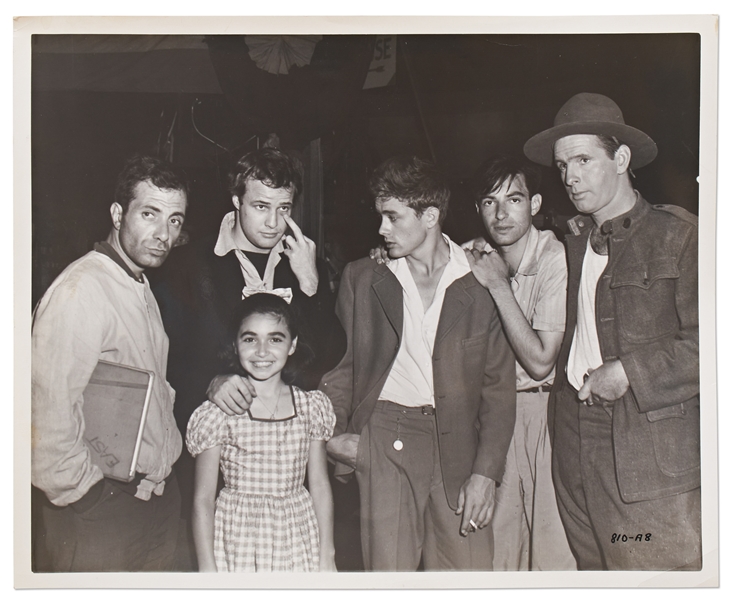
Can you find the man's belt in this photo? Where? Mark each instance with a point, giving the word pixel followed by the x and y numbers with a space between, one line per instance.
pixel 427 409
pixel 141 490
pixel 127 487
pixel 545 387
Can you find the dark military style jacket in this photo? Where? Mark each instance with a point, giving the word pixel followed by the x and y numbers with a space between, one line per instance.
pixel 647 316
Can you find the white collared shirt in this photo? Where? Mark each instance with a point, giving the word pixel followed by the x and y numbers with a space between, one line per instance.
pixel 226 242
pixel 410 381
pixel 540 289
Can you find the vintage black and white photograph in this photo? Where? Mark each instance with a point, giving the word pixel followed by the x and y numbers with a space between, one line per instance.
pixel 372 299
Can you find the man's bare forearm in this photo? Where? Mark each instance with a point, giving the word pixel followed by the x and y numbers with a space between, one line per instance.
pixel 534 355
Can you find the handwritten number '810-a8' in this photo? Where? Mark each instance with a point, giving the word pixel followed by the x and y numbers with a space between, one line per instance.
pixel 617 537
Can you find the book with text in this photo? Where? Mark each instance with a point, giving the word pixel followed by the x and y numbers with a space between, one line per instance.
pixel 116 401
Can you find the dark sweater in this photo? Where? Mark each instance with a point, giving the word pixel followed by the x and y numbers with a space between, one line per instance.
pixel 197 292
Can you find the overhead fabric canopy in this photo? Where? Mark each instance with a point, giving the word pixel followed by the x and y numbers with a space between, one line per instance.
pixel 123 63
pixel 299 105
pixel 303 104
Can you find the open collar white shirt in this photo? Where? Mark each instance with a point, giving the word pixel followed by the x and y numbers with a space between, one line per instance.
pixel 410 381
pixel 540 289
pixel 253 283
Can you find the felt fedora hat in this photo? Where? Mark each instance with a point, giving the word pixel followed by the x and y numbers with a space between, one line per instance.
pixel 591 114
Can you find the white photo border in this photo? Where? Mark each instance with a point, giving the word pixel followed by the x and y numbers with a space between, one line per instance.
pixel 706 26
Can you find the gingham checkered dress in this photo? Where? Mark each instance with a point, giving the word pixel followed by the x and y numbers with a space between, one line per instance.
pixel 264 518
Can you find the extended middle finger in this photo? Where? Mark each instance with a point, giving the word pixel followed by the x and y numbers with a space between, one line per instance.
pixel 294 226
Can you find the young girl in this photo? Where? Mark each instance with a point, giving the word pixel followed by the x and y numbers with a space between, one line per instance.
pixel 264 518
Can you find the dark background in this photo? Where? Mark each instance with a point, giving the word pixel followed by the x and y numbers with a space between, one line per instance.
pixel 455 98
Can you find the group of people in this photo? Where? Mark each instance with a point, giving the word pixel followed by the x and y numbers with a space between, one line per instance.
pixel 504 405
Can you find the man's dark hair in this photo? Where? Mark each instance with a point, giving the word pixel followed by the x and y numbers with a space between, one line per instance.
pixel 271 166
pixel 491 175
pixel 411 180
pixel 157 171
pixel 609 144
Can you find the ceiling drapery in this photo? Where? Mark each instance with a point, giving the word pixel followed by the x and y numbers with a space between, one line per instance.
pixel 277 53
pixel 299 107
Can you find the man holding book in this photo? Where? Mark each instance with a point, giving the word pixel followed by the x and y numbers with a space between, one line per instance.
pixel 101 308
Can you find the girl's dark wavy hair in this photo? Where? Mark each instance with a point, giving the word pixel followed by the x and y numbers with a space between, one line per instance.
pixel 271 305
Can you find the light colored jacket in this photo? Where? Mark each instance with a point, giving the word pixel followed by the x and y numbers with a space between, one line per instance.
pixel 94 310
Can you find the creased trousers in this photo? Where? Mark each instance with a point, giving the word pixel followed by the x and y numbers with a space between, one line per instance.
pixel 404 511
pixel 527 530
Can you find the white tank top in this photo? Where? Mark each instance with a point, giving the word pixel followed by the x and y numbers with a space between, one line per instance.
pixel 585 351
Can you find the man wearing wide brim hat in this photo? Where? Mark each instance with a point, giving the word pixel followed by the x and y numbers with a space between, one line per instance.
pixel 624 409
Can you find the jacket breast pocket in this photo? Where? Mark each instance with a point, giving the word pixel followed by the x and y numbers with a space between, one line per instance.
pixel 676 435
pixel 645 298
pixel 472 354
pixel 474 342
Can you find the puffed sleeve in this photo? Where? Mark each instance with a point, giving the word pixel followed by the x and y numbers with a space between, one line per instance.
pixel 206 428
pixel 322 416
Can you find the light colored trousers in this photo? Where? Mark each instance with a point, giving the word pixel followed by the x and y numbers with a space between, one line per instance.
pixel 527 530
